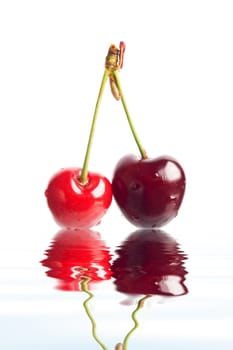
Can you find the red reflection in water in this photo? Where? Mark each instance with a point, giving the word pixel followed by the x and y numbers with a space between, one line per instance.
pixel 75 255
pixel 150 262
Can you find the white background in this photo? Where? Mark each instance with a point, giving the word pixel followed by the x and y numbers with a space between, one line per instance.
pixel 178 83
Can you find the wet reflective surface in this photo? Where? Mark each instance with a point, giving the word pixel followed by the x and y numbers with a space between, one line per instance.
pixel 84 291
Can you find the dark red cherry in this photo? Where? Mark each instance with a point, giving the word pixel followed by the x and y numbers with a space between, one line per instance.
pixel 150 262
pixel 77 205
pixel 148 191
pixel 75 255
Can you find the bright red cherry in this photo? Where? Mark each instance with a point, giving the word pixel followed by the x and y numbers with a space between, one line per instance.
pixel 76 197
pixel 150 262
pixel 77 205
pixel 75 255
pixel 149 192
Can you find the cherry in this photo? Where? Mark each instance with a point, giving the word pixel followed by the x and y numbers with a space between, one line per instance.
pixel 148 191
pixel 150 262
pixel 74 204
pixel 76 255
pixel 78 198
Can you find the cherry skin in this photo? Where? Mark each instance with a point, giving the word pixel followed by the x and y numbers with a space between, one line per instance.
pixel 148 191
pixel 150 262
pixel 77 205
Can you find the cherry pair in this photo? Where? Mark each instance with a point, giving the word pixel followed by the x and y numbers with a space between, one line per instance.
pixel 149 191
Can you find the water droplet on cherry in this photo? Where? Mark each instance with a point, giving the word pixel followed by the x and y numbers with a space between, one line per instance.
pixel 135 186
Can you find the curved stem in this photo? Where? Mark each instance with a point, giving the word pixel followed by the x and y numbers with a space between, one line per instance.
pixel 136 323
pixel 84 287
pixel 84 174
pixel 136 138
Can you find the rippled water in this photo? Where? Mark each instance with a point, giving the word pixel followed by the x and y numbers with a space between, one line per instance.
pixel 81 293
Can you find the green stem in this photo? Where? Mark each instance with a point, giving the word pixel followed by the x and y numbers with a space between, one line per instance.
pixel 136 323
pixel 84 286
pixel 136 138
pixel 84 174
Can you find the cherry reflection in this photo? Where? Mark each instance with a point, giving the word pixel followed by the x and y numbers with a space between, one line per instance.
pixel 149 262
pixel 78 259
pixel 75 256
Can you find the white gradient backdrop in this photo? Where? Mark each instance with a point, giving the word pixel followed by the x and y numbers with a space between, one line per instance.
pixel 178 83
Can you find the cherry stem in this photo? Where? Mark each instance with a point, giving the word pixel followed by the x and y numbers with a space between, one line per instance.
pixel 84 174
pixel 84 287
pixel 136 138
pixel 140 304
